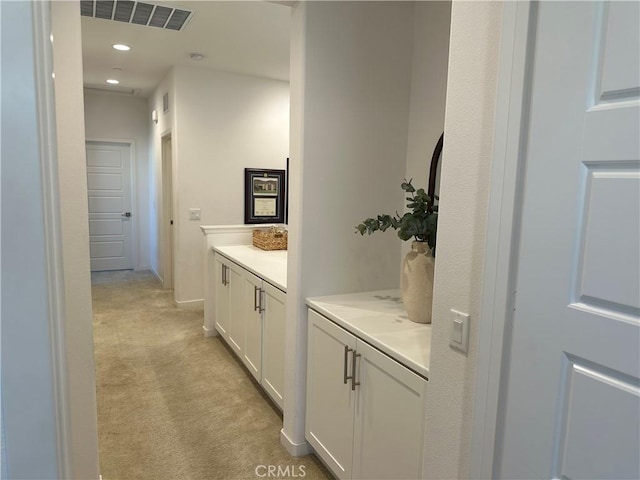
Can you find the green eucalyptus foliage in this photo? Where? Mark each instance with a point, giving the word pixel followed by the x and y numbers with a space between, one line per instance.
pixel 421 222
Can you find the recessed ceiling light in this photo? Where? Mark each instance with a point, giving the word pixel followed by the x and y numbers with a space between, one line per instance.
pixel 122 47
pixel 113 81
pixel 198 57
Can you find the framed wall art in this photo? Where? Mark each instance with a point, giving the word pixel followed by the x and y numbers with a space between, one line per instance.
pixel 264 196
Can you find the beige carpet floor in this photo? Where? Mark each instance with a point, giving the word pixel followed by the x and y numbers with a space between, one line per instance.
pixel 171 403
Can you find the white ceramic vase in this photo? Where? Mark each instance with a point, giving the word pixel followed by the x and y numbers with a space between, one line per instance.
pixel 416 282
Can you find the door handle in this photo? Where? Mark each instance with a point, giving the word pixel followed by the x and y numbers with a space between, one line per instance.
pixel 353 370
pixel 224 274
pixel 126 214
pixel 346 360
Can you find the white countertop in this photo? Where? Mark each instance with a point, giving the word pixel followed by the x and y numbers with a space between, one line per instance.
pixel 379 318
pixel 270 265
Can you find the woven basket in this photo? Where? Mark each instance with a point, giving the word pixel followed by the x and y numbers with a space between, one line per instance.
pixel 270 240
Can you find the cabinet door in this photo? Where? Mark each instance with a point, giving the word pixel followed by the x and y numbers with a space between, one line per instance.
pixel 330 400
pixel 221 298
pixel 236 328
pixel 252 355
pixel 273 325
pixel 389 419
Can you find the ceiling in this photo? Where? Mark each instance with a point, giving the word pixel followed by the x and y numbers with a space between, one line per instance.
pixel 248 37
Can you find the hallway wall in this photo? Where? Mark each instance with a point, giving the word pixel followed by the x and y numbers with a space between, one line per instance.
pixel 220 122
pixel 28 384
pixel 74 215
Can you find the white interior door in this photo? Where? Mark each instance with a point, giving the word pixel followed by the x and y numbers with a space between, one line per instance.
pixel 110 225
pixel 571 389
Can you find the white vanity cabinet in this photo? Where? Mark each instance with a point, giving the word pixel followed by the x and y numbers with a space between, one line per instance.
pixel 250 314
pixel 365 411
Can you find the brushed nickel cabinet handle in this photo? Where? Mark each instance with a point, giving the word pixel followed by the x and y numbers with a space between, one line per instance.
pixel 255 299
pixel 261 293
pixel 353 370
pixel 346 361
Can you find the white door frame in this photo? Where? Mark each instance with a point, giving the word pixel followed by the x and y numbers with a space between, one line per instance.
pixel 134 190
pixel 167 239
pixel 503 227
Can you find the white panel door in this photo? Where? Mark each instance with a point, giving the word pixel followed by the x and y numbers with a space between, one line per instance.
pixel 389 428
pixel 109 187
pixel 571 390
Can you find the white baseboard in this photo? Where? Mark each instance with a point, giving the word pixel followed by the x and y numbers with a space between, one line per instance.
pixel 155 274
pixel 210 332
pixel 190 304
pixel 294 449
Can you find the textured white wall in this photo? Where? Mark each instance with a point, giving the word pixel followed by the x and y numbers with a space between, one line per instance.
pixel 352 71
pixel 222 122
pixel 72 174
pixel 117 117
pixel 28 396
pixel 469 127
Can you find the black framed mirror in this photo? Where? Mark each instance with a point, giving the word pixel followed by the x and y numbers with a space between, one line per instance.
pixel 434 174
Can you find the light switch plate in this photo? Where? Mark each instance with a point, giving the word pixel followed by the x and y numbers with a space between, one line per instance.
pixel 459 336
pixel 194 214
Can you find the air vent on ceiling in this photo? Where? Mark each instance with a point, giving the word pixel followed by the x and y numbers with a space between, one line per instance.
pixel 139 13
pixel 110 89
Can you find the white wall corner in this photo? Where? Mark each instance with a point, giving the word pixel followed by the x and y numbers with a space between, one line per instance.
pixel 462 225
pixel 190 304
pixel 294 449
pixel 209 332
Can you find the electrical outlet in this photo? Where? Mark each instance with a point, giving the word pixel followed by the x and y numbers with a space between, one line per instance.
pixel 194 214
pixel 459 337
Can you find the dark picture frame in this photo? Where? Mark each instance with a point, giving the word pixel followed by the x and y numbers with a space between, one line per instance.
pixel 264 196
